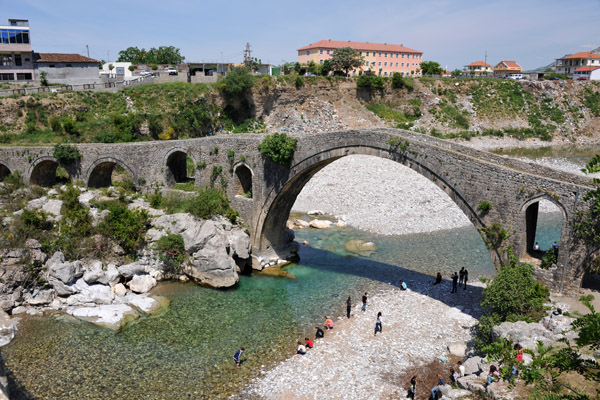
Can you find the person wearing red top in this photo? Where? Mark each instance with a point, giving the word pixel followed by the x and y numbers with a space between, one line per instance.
pixel 309 343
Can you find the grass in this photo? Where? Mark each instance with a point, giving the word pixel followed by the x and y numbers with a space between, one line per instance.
pixel 401 119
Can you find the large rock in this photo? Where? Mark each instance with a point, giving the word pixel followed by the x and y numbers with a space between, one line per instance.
pixel 65 271
pixel 129 270
pixel 142 283
pixel 527 334
pixel 120 289
pixel 451 393
pixel 40 298
pixel 97 294
pixel 320 224
pixel 472 365
pixel 95 273
pixel 147 304
pixel 360 246
pixel 8 328
pixel 112 274
pixel 558 324
pixel 111 316
pixel 457 349
pixel 239 242
pixel 60 288
pixel 472 383
pixel 501 390
pixel 211 265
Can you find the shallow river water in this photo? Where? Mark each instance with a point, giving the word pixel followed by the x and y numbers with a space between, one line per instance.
pixel 187 351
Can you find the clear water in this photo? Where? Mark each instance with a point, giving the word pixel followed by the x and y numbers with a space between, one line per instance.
pixel 187 351
pixel 549 228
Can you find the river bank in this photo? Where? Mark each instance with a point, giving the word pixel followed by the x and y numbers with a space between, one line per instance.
pixel 351 363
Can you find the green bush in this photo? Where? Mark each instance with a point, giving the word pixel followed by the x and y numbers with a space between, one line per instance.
pixel 299 81
pixel 370 82
pixel 207 203
pixel 279 148
pixel 66 154
pixel 237 83
pixel 484 207
pixel 399 82
pixel 171 250
pixel 550 257
pixel 124 226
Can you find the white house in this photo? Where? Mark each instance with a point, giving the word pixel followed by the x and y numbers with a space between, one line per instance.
pixel 591 73
pixel 119 70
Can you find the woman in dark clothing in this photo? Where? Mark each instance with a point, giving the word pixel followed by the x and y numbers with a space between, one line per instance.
pixel 348 307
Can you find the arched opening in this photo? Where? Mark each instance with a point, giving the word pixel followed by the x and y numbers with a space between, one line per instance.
pixel 243 181
pixel 384 192
pixel 544 223
pixel 177 167
pixel 44 173
pixel 110 173
pixel 4 172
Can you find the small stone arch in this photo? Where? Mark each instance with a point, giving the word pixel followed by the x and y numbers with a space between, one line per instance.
pixel 4 171
pixel 43 171
pixel 100 172
pixel 176 163
pixel 530 209
pixel 242 184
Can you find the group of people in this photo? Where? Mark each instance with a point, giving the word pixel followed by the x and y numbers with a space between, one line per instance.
pixel 553 246
pixel 455 373
pixel 458 278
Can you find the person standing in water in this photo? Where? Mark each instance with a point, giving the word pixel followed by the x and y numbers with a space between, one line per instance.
pixel 237 355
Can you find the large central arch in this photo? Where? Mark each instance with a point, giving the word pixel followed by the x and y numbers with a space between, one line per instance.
pixel 269 235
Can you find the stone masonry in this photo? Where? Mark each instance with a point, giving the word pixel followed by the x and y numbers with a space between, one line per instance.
pixel 264 192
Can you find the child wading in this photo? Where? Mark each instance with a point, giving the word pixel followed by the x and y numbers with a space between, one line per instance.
pixel 237 355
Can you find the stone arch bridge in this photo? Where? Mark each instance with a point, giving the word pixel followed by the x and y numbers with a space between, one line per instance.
pixel 264 192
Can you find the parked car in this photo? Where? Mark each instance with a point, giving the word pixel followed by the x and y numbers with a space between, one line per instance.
pixel 171 70
pixel 515 76
pixel 582 78
pixel 146 72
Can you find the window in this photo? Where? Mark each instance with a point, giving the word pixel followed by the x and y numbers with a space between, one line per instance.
pixel 51 66
pixel 380 63
pixel 307 52
pixel 385 64
pixel 7 77
pixel 328 51
pixel 320 61
pixel 402 55
pixel 386 54
pixel 321 51
pixel 379 54
pixel 24 77
pixel 6 59
pixel 396 64
pixel 27 60
pixel 403 64
pixel 367 63
pixel 397 55
pixel 18 62
pixel 69 65
pixel 385 74
pixel 367 54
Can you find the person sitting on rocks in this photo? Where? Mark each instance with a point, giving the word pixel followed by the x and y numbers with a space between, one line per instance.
pixel 403 285
pixel 453 376
pixel 438 279
pixel 309 343
pixel 536 246
pixel 301 349
pixel 319 334
pixel 412 388
pixel 493 375
pixel 461 369
pixel 328 323
pixel 436 393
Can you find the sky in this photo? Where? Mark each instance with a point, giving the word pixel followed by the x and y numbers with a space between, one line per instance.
pixel 451 32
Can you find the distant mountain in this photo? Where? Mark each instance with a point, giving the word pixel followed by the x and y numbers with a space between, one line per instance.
pixel 541 69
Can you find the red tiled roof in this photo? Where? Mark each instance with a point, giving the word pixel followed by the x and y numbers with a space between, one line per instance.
pixel 63 57
pixel 583 54
pixel 337 44
pixel 585 69
pixel 479 64
pixel 509 64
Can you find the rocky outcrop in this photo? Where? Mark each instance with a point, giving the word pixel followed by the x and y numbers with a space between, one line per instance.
pixel 212 265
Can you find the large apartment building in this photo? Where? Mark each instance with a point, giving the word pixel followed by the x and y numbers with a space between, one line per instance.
pixel 568 64
pixel 381 58
pixel 16 56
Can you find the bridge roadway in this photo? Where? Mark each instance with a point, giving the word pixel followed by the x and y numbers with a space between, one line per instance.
pixel 264 192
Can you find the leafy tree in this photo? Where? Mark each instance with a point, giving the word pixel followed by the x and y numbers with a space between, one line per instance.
pixel 237 83
pixel 297 67
pixel 431 68
pixel 399 82
pixel 345 59
pixel 456 73
pixel 279 148
pixel 370 82
pixel 66 154
pixel 326 67
pixel 588 326
pixel 312 67
pixel 127 227
pixel 171 249
pixel 160 55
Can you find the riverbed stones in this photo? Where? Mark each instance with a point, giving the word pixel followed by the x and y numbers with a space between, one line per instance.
pixel 120 289
pixel 472 365
pixel 60 288
pixel 40 297
pixel 112 274
pixel 111 316
pixel 320 224
pixel 95 273
pixel 141 283
pixel 360 246
pixel 135 268
pixel 472 383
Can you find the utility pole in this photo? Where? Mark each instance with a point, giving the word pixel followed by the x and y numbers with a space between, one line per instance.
pixel 248 56
pixel 485 57
pixel 88 50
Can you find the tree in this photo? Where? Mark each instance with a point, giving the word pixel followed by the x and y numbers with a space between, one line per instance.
pixel 345 59
pixel 312 67
pixel 237 83
pixel 326 67
pixel 279 148
pixel 431 68
pixel 161 55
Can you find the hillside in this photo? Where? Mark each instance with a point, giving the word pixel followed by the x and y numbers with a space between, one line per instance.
pixel 445 108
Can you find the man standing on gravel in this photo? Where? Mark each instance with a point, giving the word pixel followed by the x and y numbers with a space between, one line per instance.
pixel 466 279
pixel 461 275
pixel 364 301
pixel 454 282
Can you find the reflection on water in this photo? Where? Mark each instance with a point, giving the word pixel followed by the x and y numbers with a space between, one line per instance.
pixel 187 351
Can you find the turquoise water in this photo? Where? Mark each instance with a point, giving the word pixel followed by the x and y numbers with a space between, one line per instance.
pixel 187 351
pixel 549 227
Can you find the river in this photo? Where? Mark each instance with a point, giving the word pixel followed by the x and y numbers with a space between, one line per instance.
pixel 187 351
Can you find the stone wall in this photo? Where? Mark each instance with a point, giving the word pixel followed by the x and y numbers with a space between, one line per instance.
pixel 468 176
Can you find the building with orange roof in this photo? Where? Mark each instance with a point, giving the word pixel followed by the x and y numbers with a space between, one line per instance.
pixel 591 73
pixel 505 68
pixel 568 64
pixel 381 58
pixel 478 68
